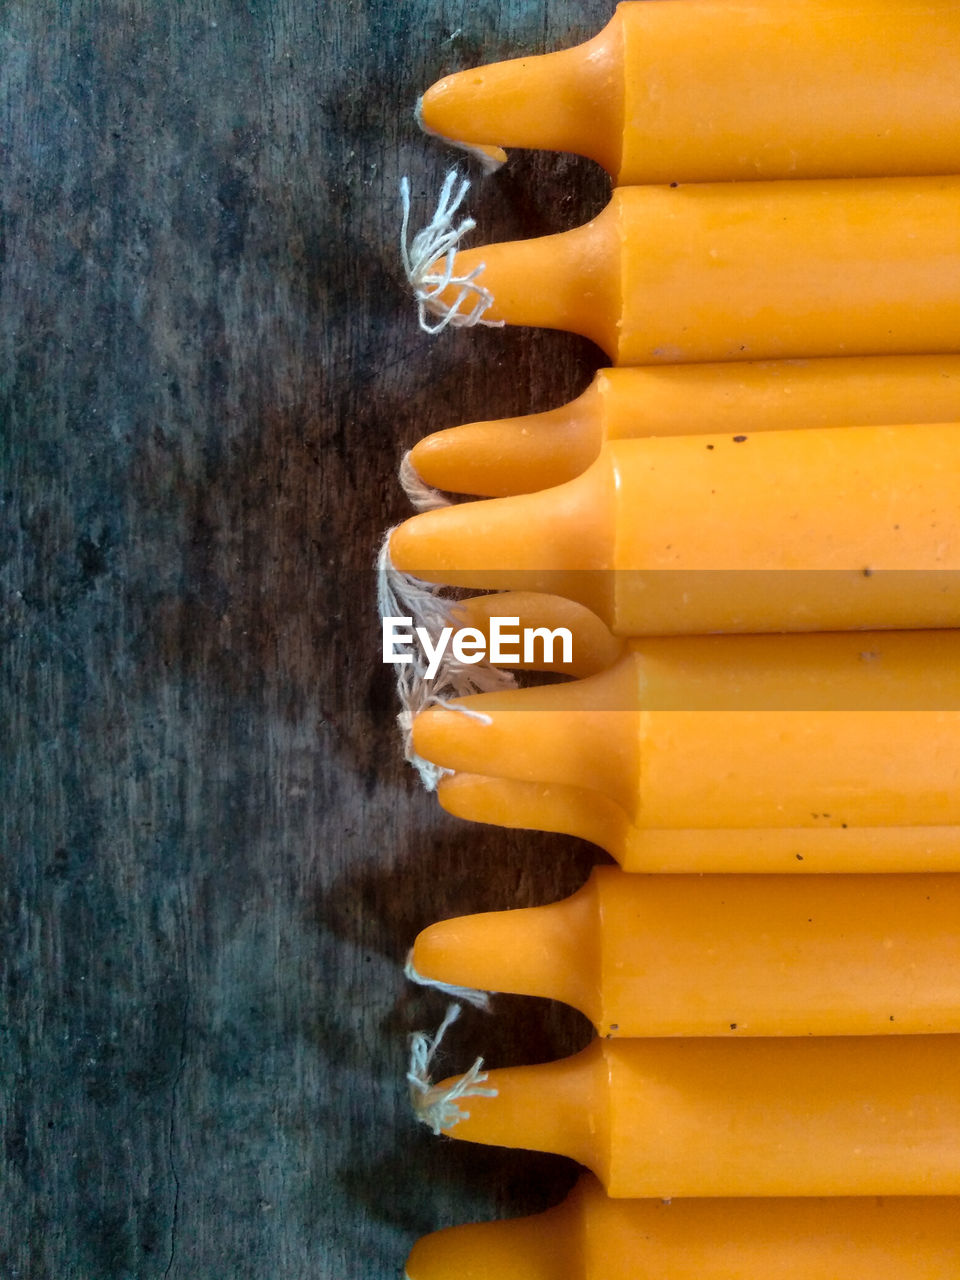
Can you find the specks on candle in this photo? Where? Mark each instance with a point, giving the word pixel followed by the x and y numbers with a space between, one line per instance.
pixel 867 572
pixel 739 439
pixel 733 1026
pixel 710 446
pixel 799 857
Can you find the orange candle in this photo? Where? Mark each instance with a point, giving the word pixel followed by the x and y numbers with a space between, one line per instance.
pixel 838 1116
pixel 742 271
pixel 816 530
pixel 886 667
pixel 592 1237
pixel 519 455
pixel 590 815
pixel 723 955
pixel 734 732
pixel 704 91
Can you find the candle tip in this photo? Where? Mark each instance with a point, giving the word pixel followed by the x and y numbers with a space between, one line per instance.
pixel 469 995
pixel 423 496
pixel 489 157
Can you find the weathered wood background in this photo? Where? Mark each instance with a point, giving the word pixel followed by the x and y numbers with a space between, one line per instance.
pixel 213 858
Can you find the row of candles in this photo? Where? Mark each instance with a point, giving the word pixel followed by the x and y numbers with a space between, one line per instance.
pixel 751 525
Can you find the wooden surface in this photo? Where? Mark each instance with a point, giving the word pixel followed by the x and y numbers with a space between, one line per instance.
pixel 213 859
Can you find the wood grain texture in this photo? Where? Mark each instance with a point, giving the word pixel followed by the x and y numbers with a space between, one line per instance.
pixel 213 858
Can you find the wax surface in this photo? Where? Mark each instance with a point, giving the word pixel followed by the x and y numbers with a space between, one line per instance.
pixel 734 732
pixel 520 455
pixel 743 271
pixel 594 648
pixel 762 1117
pixel 706 90
pixel 589 815
pixel 723 955
pixel 592 1237
pixel 816 530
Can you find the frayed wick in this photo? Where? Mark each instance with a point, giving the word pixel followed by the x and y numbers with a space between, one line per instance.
pixel 469 995
pixel 440 239
pixel 400 595
pixel 438 1108
pixel 490 158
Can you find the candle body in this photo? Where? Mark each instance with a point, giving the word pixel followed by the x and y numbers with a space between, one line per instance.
pixel 723 955
pixel 763 1117
pixel 869 768
pixel 779 531
pixel 743 271
pixel 520 455
pixel 704 91
pixel 842 504
pixel 593 1237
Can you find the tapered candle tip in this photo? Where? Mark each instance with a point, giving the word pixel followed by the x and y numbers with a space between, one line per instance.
pixel 490 158
pixel 423 496
pixel 569 100
pixel 514 455
pixel 455 545
pixel 422 545
pixel 469 995
pixel 548 951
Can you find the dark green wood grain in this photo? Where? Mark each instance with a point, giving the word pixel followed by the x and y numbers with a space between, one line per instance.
pixel 213 859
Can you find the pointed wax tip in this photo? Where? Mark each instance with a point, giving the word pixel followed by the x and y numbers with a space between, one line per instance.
pixel 490 157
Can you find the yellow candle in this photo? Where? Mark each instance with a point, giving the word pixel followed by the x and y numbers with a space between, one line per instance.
pixel 838 1116
pixel 734 732
pixel 723 955
pixel 593 1237
pixel 743 271
pixel 590 815
pixel 519 455
pixel 674 672
pixel 705 90
pixel 816 530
